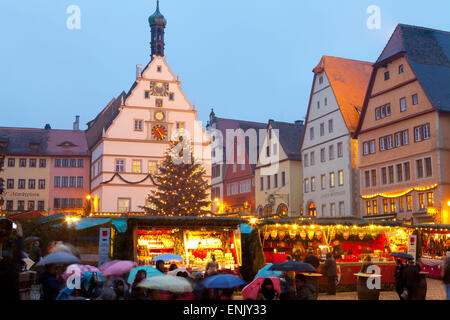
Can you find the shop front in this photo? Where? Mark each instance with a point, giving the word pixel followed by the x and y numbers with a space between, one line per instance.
pixel 195 239
pixel 433 245
pixel 349 240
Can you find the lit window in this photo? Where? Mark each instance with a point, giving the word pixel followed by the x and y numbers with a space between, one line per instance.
pixel 137 166
pixel 430 199
pixel 323 181
pixel 313 183
pixel 385 206
pixel 341 177
pixel 409 203
pixel 123 204
pixel 152 167
pixel 332 182
pixel 375 206
pixel 368 208
pixel 421 201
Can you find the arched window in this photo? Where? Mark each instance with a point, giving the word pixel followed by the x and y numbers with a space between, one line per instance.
pixel 267 211
pixel 260 211
pixel 312 209
pixel 282 210
pixel 159 35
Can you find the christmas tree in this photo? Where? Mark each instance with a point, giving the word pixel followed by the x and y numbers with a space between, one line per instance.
pixel 181 187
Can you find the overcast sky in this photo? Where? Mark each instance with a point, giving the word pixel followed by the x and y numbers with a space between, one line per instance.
pixel 250 60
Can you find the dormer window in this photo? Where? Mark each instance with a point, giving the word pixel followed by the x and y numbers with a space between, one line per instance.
pixel 67 144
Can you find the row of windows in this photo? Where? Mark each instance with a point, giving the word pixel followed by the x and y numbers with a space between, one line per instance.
pixel 136 166
pixel 68 182
pixel 67 203
pixel 423 167
pixel 21 184
pixel 387 75
pixel 310 183
pixel 139 125
pixel 332 209
pixel 69 163
pixel 402 204
pixel 159 102
pixel 309 159
pixel 23 163
pixel 275 181
pixel 399 139
pixel 385 110
pixel 31 205
pixel 322 129
pixel 239 187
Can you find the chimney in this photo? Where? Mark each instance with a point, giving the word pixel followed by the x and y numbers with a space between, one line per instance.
pixel 138 71
pixel 300 122
pixel 76 124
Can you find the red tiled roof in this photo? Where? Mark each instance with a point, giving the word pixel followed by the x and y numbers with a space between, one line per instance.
pixel 349 80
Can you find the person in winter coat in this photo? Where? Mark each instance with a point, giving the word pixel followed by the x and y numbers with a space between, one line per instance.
pixel 446 275
pixel 304 291
pixel 50 282
pixel 312 259
pixel 411 279
pixel 398 275
pixel 10 264
pixel 329 270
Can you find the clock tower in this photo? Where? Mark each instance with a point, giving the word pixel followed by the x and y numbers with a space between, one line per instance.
pixel 157 25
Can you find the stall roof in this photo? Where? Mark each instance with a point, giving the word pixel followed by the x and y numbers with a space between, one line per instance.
pixel 119 224
pixel 433 226
pixel 187 221
pixel 349 221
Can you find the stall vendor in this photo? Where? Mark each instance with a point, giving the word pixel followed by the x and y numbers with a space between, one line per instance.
pixel 337 250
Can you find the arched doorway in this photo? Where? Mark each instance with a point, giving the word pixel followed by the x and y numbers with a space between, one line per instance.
pixel 312 209
pixel 282 210
pixel 267 210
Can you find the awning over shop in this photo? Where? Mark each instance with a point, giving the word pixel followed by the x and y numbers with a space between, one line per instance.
pixel 85 223
pixel 246 228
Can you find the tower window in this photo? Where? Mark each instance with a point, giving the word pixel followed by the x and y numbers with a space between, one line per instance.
pixel 159 68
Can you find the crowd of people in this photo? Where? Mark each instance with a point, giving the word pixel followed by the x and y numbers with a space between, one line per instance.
pixel 94 285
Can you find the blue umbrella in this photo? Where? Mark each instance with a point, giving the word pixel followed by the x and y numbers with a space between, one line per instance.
pixel 151 272
pixel 266 273
pixel 222 281
pixel 58 258
pixel 293 266
pixel 168 257
pixel 402 255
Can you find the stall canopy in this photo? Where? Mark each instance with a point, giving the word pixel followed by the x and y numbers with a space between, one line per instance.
pixel 119 224
pixel 246 228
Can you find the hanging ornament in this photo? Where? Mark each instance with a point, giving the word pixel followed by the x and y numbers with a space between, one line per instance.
pixel 273 234
pixel 303 234
pixel 266 235
pixel 281 235
pixel 346 235
pixel 310 235
pixel 361 235
pixel 319 234
pixel 292 234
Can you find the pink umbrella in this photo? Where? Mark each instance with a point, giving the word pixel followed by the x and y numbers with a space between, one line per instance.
pixel 118 268
pixel 79 269
pixel 106 265
pixel 250 291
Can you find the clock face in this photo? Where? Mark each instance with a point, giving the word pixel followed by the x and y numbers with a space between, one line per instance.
pixel 159 89
pixel 159 132
pixel 159 116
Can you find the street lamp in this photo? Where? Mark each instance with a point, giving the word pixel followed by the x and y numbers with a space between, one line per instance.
pixel 88 204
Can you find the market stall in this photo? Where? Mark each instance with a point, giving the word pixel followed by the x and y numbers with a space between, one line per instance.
pixel 196 239
pixel 350 240
pixel 434 243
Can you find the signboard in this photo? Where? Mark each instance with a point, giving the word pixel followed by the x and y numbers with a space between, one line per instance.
pixel 412 245
pixel 104 242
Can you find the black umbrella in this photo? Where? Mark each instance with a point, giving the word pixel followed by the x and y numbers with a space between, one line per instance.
pixel 402 255
pixel 293 266
pixel 32 239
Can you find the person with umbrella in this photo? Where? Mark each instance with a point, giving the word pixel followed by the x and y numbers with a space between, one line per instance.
pixel 398 275
pixel 120 288
pixel 160 266
pixel 267 291
pixel 10 265
pixel 138 293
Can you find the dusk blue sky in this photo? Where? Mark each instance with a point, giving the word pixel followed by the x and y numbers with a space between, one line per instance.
pixel 250 60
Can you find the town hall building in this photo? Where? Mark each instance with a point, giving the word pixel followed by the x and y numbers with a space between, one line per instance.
pixel 130 136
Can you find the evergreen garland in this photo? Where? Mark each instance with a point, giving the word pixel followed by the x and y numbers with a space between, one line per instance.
pixel 181 187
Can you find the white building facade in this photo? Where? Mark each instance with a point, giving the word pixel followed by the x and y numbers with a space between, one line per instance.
pixel 130 136
pixel 330 154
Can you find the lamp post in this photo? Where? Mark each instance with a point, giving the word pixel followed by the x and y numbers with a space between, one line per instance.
pixel 88 204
